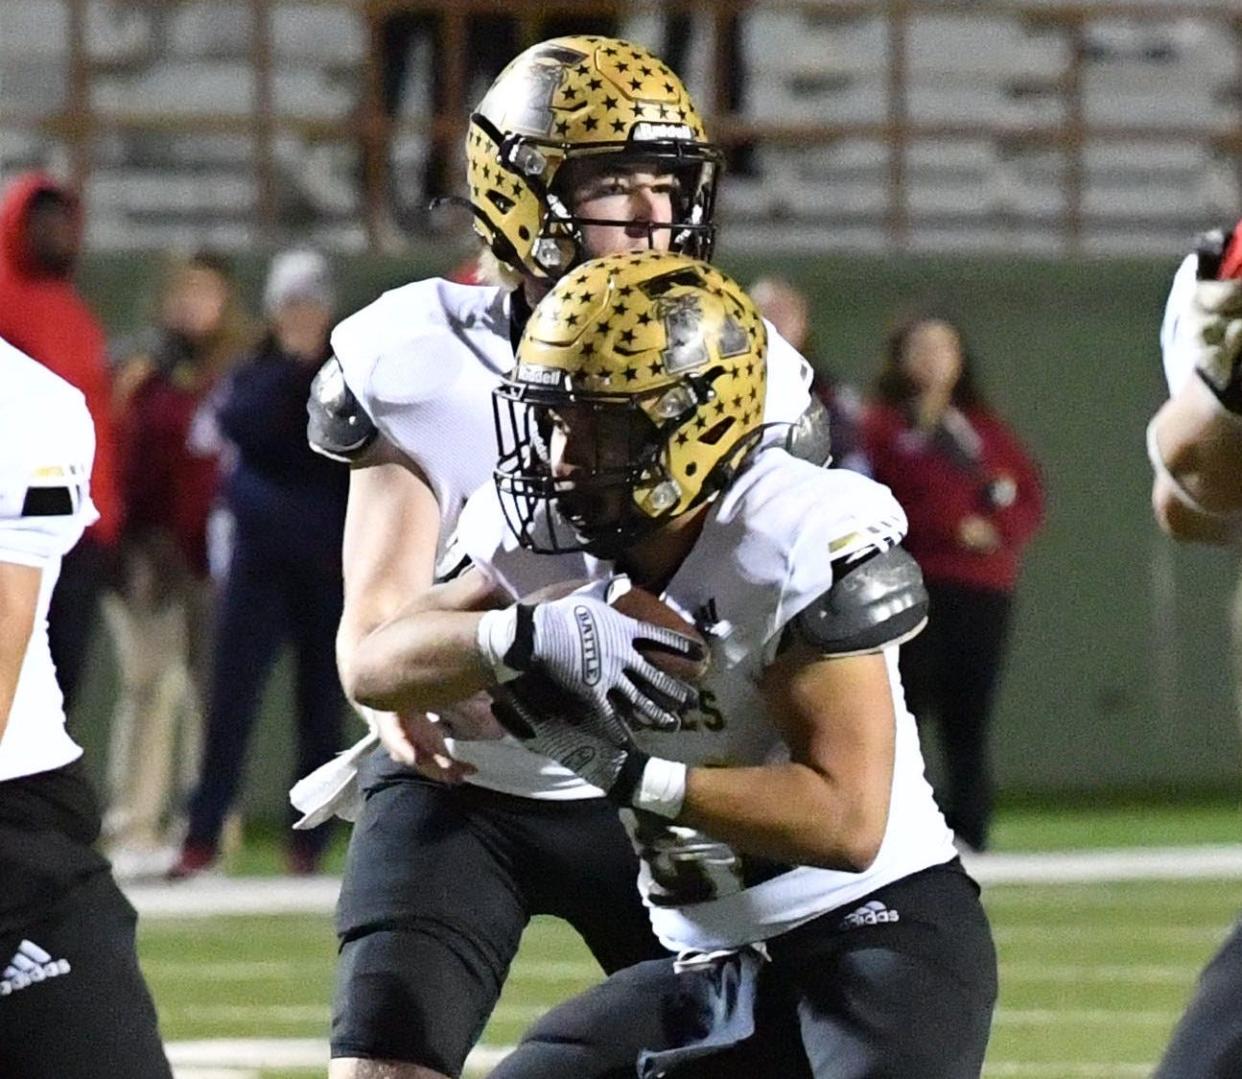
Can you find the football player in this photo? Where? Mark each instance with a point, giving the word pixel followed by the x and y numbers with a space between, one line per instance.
pixel 581 147
pixel 793 856
pixel 73 1003
pixel 1195 445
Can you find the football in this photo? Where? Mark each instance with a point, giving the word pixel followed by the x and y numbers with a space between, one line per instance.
pixel 642 605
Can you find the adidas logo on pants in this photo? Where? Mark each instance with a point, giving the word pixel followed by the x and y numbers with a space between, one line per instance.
pixel 29 966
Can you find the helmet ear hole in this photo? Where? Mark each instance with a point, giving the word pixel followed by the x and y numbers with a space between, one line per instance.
pixel 502 202
pixel 714 434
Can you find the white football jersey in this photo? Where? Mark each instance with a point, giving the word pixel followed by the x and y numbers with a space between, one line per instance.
pixel 766 552
pixel 47 445
pixel 423 360
pixel 1178 355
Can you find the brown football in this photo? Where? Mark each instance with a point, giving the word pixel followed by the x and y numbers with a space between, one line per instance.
pixel 640 604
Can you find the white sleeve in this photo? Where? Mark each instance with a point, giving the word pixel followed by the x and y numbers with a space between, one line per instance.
pixel 789 380
pixel 45 468
pixel 1178 351
pixel 391 353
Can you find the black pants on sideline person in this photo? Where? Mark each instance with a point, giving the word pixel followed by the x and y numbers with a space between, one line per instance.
pixel 950 672
pixel 272 596
pixel 73 1003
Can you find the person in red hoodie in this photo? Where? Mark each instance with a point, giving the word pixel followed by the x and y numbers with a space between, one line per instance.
pixel 974 499
pixel 42 314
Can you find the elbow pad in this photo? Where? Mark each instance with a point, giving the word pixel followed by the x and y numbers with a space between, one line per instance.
pixel 337 425
pixel 876 602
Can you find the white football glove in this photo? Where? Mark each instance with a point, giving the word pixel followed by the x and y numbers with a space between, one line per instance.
pixel 1207 333
pixel 595 745
pixel 590 650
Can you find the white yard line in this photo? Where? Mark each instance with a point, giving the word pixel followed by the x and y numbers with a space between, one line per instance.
pixel 242 1058
pixel 210 896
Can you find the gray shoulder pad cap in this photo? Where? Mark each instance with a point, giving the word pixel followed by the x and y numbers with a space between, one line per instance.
pixel 337 425
pixel 872 604
pixel 810 436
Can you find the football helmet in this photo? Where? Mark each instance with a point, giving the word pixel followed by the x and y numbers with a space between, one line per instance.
pixel 638 391
pixel 571 98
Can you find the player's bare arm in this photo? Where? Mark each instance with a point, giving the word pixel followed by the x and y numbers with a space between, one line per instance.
pixel 391 525
pixel 458 639
pixel 426 656
pixel 19 596
pixel 829 805
pixel 1197 496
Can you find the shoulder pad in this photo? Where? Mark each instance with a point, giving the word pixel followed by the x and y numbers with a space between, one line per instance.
pixel 337 425
pixel 810 436
pixel 876 602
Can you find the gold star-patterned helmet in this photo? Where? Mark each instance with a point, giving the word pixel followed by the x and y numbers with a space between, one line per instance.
pixel 568 99
pixel 637 393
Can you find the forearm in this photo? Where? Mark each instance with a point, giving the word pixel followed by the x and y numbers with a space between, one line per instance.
pixel 786 812
pixel 1183 523
pixel 420 661
pixel 1201 447
pixel 19 591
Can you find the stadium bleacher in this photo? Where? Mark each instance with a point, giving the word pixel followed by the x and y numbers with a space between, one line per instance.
pixel 977 82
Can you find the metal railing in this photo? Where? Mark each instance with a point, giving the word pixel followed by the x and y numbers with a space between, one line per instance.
pixel 79 123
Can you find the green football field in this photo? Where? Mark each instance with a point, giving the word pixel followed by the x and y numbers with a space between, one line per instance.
pixel 1093 975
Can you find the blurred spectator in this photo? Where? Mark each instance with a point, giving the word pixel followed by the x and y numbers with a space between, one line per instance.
pixel 974 499
pixel 284 577
pixel 42 314
pixel 785 306
pixel 491 42
pixel 739 156
pixel 161 622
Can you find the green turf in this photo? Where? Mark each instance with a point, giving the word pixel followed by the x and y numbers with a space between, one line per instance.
pixel 1044 827
pixel 1091 975
pixel 1023 825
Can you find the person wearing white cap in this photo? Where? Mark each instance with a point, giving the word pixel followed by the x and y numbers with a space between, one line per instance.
pixel 283 578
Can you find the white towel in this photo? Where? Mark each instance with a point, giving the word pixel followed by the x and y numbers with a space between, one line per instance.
pixel 332 788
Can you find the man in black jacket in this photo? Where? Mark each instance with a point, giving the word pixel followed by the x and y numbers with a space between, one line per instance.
pixel 283 584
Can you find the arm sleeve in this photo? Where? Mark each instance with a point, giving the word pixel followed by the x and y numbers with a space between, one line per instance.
pixel 789 381
pixel 45 501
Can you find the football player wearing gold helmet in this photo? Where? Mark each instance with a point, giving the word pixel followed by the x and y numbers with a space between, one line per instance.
pixel 793 856
pixel 570 130
pixel 584 146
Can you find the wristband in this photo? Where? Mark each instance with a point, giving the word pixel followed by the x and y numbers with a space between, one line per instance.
pixel 496 634
pixel 655 785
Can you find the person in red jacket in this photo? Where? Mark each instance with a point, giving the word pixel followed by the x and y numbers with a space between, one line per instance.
pixel 42 314
pixel 974 499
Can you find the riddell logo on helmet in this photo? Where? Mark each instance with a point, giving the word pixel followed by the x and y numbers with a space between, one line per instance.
pixel 649 132
pixel 588 636
pixel 541 376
